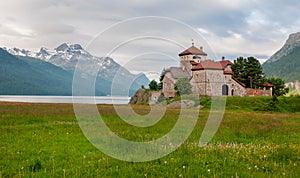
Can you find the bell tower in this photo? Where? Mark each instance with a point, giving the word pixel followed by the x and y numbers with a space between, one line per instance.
pixel 191 56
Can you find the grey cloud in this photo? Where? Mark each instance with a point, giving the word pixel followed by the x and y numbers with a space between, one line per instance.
pixel 53 22
pixel 54 29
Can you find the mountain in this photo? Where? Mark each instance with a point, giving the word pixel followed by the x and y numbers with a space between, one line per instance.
pixel 60 63
pixel 19 77
pixel 285 63
pixel 67 56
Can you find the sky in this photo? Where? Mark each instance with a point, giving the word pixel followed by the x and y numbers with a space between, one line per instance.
pixel 229 28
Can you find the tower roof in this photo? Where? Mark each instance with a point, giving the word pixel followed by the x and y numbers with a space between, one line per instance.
pixel 193 50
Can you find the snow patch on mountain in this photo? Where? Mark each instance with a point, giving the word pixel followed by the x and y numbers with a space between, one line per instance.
pixel 67 57
pixel 64 51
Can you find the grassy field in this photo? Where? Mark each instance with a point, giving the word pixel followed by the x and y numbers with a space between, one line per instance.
pixel 44 140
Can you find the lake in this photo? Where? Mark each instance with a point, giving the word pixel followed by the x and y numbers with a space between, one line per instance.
pixel 67 99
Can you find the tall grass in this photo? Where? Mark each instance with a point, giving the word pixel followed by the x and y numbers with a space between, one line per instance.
pixel 44 140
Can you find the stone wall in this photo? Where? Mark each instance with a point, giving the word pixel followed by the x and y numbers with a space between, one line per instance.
pixel 210 83
pixel 234 87
pixel 258 92
pixel 168 86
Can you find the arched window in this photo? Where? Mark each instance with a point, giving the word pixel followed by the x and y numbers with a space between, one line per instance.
pixel 225 90
pixel 232 92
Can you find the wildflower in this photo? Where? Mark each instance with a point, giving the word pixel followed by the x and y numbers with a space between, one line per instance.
pixel 84 157
pixel 67 133
pixel 265 156
pixel 249 168
pixel 180 175
pixel 208 170
pixel 22 168
pixel 183 167
pixel 166 162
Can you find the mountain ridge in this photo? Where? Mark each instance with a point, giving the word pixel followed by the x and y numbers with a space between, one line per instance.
pixel 285 63
pixel 292 42
pixel 66 57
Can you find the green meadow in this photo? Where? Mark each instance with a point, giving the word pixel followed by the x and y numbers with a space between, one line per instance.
pixel 258 137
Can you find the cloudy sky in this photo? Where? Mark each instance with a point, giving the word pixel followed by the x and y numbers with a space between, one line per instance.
pixel 228 28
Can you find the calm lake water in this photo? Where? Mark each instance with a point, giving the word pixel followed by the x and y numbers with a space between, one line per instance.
pixel 67 99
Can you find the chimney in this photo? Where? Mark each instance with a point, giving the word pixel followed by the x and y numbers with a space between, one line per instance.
pixel 201 47
pixel 223 58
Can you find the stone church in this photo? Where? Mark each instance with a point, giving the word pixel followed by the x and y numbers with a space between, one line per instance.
pixel 207 77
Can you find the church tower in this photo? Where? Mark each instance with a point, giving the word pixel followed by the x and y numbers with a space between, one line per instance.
pixel 191 56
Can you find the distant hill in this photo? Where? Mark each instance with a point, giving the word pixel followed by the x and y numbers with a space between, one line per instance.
pixel 50 72
pixel 32 77
pixel 23 75
pixel 67 56
pixel 61 63
pixel 285 63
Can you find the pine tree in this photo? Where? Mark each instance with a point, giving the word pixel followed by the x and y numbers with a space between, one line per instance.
pixel 248 70
pixel 153 85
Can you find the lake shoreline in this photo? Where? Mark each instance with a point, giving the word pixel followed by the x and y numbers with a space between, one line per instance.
pixel 66 99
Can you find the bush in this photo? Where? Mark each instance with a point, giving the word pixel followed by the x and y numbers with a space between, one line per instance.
pixel 205 102
pixel 183 86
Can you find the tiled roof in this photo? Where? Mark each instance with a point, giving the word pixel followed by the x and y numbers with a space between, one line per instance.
pixel 178 72
pixel 193 62
pixel 224 63
pixel 267 84
pixel 210 64
pixel 228 72
pixel 239 82
pixel 193 50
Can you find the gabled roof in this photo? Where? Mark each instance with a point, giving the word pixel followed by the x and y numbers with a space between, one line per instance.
pixel 193 62
pixel 178 72
pixel 267 84
pixel 225 63
pixel 239 82
pixel 210 64
pixel 193 50
pixel 228 72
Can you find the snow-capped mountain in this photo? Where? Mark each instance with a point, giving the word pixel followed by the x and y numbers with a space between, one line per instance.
pixel 64 51
pixel 20 52
pixel 44 54
pixel 67 56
